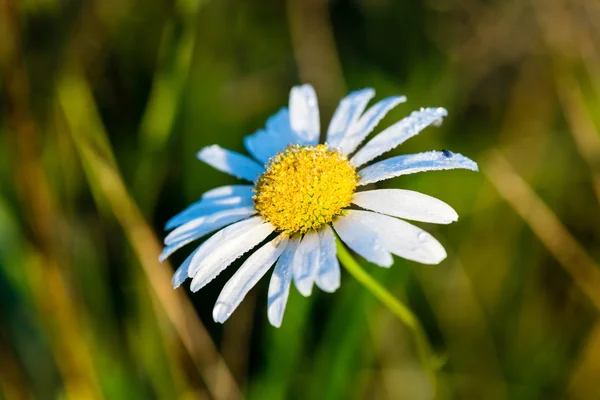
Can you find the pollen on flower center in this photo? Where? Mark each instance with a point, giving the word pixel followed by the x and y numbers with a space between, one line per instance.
pixel 304 188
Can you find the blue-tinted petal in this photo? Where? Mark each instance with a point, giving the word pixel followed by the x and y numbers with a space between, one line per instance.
pixel 230 162
pixel 207 223
pixel 228 191
pixel 398 133
pixel 306 263
pixel 410 164
pixel 206 207
pixel 279 286
pixel 367 122
pixel 182 272
pixel 346 114
pixel 277 135
pixel 205 266
pixel 328 277
pixel 200 227
pixel 246 277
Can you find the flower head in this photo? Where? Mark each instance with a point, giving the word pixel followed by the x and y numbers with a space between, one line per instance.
pixel 301 190
pixel 304 188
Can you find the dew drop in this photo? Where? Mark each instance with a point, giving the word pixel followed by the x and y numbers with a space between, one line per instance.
pixel 423 237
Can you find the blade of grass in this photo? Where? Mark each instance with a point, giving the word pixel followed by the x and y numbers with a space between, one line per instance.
pixel 582 126
pixel 584 378
pixel 545 224
pixel 569 91
pixel 75 100
pixel 175 58
pixel 56 308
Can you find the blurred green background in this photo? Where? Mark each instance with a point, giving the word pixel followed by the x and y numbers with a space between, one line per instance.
pixel 105 103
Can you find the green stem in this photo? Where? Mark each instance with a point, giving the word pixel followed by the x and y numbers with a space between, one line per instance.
pixel 395 306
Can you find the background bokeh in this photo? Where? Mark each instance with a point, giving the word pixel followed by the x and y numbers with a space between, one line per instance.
pixel 105 103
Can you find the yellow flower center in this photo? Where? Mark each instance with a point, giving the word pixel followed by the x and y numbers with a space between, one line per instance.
pixel 305 187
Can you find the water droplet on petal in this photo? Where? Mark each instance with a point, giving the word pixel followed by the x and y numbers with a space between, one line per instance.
pixel 423 237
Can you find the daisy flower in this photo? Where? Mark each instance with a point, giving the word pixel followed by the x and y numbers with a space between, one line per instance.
pixel 300 192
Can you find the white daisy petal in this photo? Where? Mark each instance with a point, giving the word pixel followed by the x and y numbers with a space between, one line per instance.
pixel 182 272
pixel 222 238
pixel 213 264
pixel 346 114
pixel 229 191
pixel 197 229
pixel 363 240
pixel 406 204
pixel 367 122
pixel 306 263
pixel 206 207
pixel 412 163
pixel 398 133
pixel 304 113
pixel 328 277
pixel 230 162
pixel 201 226
pixel 246 277
pixel 277 136
pixel 401 238
pixel 279 286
